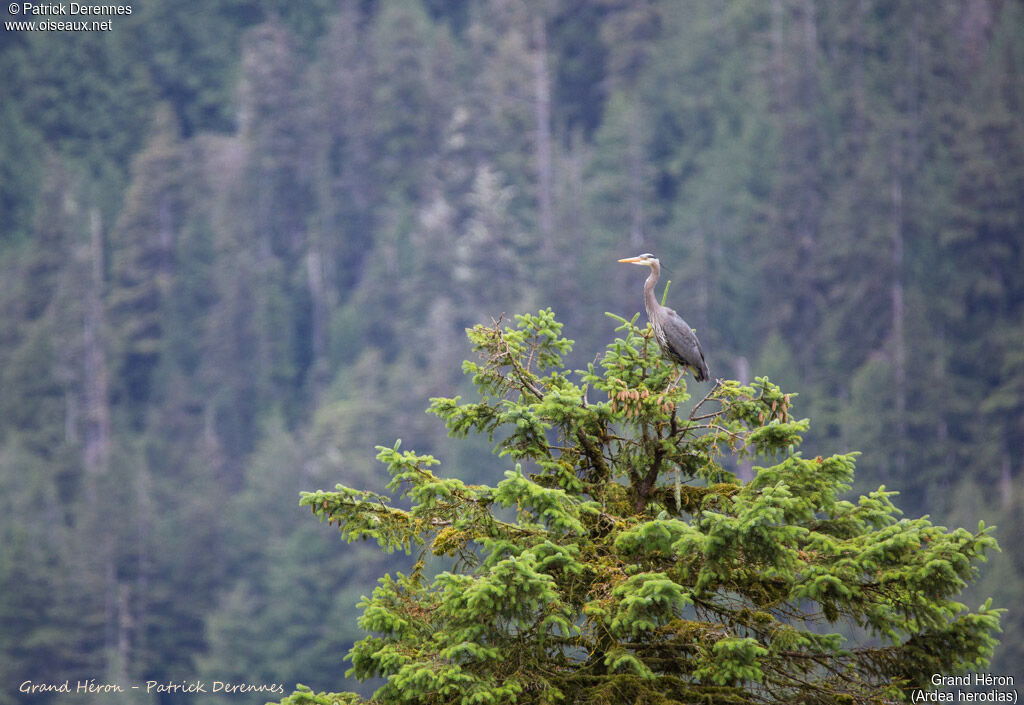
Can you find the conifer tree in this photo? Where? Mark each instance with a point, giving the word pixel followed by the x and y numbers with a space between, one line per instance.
pixel 618 560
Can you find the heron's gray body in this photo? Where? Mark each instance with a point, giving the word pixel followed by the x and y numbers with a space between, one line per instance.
pixel 675 338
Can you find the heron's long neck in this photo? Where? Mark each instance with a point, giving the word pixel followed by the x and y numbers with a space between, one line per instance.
pixel 650 300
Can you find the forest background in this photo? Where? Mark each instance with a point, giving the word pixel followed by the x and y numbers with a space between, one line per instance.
pixel 240 241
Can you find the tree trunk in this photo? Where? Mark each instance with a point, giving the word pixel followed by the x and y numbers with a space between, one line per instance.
pixel 898 328
pixel 636 177
pixel 96 441
pixel 318 329
pixel 543 147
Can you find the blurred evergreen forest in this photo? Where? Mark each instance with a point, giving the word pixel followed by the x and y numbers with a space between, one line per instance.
pixel 240 241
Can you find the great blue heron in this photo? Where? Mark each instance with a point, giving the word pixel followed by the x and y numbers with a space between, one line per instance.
pixel 676 339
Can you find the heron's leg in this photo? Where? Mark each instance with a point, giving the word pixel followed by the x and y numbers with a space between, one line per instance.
pixel 676 382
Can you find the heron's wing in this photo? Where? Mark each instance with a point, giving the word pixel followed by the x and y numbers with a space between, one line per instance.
pixel 682 344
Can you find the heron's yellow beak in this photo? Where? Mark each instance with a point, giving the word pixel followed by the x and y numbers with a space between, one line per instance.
pixel 632 260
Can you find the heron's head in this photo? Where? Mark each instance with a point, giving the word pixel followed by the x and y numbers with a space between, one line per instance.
pixel 646 259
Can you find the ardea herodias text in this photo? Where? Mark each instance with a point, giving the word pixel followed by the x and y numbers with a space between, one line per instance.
pixel 676 339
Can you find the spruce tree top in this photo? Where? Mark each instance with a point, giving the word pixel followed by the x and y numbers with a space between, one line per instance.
pixel 618 560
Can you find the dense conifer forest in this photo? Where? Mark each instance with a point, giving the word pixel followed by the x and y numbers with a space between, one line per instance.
pixel 241 241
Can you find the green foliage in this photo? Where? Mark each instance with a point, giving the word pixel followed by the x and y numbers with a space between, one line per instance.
pixel 603 585
pixel 289 212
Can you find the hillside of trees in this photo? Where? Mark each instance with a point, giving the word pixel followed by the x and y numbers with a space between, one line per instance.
pixel 240 244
